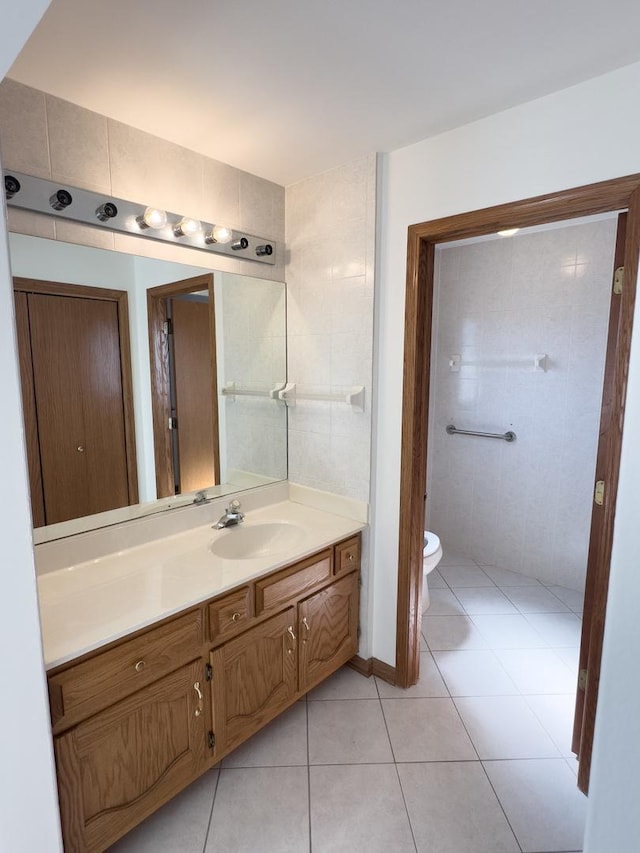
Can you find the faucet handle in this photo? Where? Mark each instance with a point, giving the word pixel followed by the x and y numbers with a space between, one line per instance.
pixel 234 505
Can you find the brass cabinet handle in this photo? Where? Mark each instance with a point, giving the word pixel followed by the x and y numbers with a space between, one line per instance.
pixel 293 637
pixel 80 448
pixel 196 687
pixel 305 625
pixel 235 617
pixel 351 558
pixel 139 666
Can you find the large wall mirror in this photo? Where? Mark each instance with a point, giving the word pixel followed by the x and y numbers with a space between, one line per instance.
pixel 144 382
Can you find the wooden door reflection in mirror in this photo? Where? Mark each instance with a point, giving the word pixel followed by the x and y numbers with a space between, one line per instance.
pixel 76 386
pixel 185 413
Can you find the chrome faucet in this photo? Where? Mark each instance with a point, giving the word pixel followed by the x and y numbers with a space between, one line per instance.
pixel 232 515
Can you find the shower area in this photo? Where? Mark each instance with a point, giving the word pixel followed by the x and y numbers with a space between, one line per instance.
pixel 519 343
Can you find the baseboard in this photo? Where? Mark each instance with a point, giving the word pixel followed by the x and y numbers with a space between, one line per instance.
pixel 373 666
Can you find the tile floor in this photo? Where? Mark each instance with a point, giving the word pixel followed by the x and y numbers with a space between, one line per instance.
pixel 475 758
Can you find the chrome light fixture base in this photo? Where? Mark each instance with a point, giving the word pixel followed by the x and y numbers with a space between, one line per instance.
pixel 117 214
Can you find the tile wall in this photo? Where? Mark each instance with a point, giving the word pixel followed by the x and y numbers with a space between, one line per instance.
pixel 524 506
pixel 53 139
pixel 330 232
pixel 252 323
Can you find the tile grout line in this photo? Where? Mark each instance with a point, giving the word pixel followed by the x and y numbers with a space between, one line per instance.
pixel 213 800
pixel 395 764
pixel 306 708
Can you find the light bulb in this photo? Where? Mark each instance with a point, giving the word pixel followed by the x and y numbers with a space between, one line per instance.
pixel 153 217
pixel 187 227
pixel 219 234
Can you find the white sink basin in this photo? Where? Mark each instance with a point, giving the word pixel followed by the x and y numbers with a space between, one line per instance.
pixel 257 540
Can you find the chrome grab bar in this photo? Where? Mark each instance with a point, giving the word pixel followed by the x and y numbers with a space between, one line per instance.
pixel 505 436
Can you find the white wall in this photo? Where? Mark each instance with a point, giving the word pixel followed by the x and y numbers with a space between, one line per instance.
pixel 497 303
pixel 557 142
pixel 28 795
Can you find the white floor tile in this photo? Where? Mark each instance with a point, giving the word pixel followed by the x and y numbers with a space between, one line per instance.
pixel 283 743
pixel 426 730
pixel 508 631
pixel 571 597
pixel 462 576
pixel 505 727
pixel 537 671
pixel 474 673
pixel 485 600
pixel 443 603
pixel 541 801
pixel 452 632
pixel 358 807
pixel 453 809
pixel 435 580
pixel 346 683
pixel 260 808
pixel 558 629
pixel 505 577
pixel 430 683
pixel 179 825
pixel 348 732
pixel 556 715
pixel 449 558
pixel 570 656
pixel 535 599
pixel 423 643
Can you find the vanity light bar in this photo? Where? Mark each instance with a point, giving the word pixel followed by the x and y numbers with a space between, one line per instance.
pixel 128 217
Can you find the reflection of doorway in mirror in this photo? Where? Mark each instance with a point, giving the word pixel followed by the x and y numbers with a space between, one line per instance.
pixel 77 399
pixel 184 385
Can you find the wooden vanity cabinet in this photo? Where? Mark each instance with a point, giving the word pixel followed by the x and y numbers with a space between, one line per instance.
pixel 135 723
pixel 328 630
pixel 272 664
pixel 117 767
pixel 254 678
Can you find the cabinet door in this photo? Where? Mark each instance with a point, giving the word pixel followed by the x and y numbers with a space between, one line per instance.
pixel 328 626
pixel 120 765
pixel 254 678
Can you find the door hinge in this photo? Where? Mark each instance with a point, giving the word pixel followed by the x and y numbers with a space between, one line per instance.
pixel 618 280
pixel 173 423
pixel 167 327
pixel 598 495
pixel 208 672
pixel 211 740
pixel 582 679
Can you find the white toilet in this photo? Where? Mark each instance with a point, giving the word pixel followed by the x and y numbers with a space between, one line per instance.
pixel 431 556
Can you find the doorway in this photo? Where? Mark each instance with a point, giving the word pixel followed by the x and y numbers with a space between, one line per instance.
pixel 617 195
pixel 184 386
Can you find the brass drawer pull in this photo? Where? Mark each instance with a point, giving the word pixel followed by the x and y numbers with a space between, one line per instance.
pixel 235 617
pixel 305 625
pixel 196 687
pixel 351 557
pixel 293 637
pixel 139 666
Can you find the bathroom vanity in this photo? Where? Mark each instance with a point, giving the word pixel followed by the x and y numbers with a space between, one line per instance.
pixel 138 717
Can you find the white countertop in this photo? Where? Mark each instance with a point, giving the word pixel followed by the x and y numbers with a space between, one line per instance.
pixel 87 605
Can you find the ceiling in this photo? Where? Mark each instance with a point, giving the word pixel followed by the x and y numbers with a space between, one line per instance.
pixel 289 88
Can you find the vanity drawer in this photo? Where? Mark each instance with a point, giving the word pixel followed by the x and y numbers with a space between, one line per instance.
pixel 281 587
pixel 230 614
pixel 94 684
pixel 348 555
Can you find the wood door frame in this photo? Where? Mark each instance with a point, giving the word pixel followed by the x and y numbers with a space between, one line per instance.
pixel 604 197
pixel 121 300
pixel 160 380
